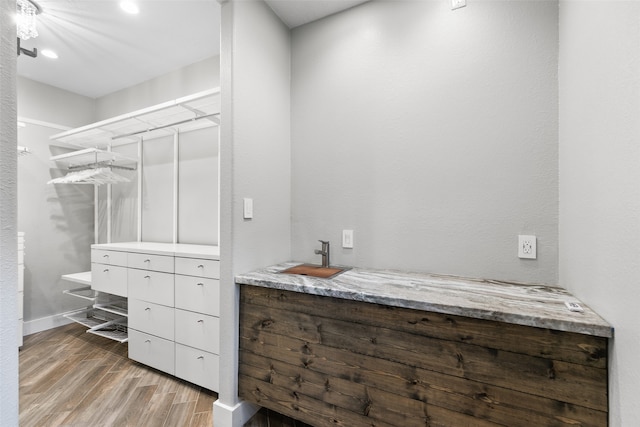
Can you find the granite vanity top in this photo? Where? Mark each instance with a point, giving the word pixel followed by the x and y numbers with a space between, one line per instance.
pixel 535 305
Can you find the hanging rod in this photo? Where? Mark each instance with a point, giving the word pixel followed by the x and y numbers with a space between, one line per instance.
pixel 126 135
pixel 100 165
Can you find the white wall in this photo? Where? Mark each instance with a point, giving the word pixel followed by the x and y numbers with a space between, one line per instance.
pixel 432 133
pixel 255 163
pixel 599 176
pixel 8 230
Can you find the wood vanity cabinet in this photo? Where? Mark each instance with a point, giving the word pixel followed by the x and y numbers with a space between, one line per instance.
pixel 173 293
pixel 338 362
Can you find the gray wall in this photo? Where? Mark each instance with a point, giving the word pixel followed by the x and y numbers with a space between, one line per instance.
pixel 432 133
pixel 599 176
pixel 8 200
pixel 255 162
pixel 193 78
pixel 57 220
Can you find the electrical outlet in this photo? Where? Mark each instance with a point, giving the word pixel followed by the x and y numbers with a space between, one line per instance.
pixel 347 239
pixel 527 247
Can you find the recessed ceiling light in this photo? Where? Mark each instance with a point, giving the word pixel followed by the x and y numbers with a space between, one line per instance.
pixel 49 54
pixel 129 7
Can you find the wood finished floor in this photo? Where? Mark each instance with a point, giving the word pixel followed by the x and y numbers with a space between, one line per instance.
pixel 71 378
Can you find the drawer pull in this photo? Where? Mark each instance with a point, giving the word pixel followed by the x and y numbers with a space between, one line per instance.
pixel 147 277
pixel 105 256
pixel 147 260
pixel 147 309
pixel 200 357
pixel 106 270
pixel 200 321
pixel 200 284
pixel 147 341
pixel 200 266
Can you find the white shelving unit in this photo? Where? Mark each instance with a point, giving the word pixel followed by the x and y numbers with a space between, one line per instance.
pixel 107 314
pixel 184 114
pixel 94 156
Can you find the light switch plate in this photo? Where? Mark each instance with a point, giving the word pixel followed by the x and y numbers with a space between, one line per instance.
pixel 247 208
pixel 347 239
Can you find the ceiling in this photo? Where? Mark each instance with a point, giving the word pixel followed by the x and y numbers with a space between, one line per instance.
pixel 101 49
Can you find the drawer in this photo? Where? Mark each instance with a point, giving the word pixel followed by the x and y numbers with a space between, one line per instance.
pixel 150 318
pixel 198 267
pixel 198 294
pixel 151 286
pixel 101 256
pixel 198 330
pixel 111 279
pixel 152 351
pixel 198 367
pixel 150 262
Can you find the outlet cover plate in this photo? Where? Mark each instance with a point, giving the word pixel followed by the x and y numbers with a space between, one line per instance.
pixel 457 4
pixel 527 247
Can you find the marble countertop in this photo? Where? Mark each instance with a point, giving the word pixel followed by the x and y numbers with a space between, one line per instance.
pixel 535 305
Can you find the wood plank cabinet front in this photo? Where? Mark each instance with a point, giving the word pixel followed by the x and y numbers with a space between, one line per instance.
pixel 334 362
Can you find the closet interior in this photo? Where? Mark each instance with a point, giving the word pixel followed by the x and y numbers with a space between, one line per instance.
pixel 148 280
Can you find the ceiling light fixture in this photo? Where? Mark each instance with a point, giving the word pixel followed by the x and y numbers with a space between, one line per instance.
pixel 26 18
pixel 49 54
pixel 129 7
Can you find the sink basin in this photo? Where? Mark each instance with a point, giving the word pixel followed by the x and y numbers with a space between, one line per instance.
pixel 315 271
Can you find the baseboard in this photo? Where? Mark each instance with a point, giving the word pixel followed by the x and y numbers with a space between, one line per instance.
pixel 44 323
pixel 233 416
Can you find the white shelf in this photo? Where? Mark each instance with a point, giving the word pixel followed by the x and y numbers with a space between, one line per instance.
pixel 185 114
pixel 83 278
pixel 84 293
pixel 85 317
pixel 89 156
pixel 114 330
pixel 115 307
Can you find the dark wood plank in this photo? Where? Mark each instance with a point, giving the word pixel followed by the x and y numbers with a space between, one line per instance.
pixel 568 347
pixel 566 382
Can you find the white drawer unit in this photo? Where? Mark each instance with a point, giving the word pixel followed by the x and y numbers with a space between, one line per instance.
pixel 198 267
pixel 198 294
pixel 167 305
pixel 198 330
pixel 152 286
pixel 151 318
pixel 197 366
pixel 111 279
pixel 153 351
pixel 150 262
pixel 109 257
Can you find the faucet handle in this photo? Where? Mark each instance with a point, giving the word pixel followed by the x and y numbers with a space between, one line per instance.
pixel 324 242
